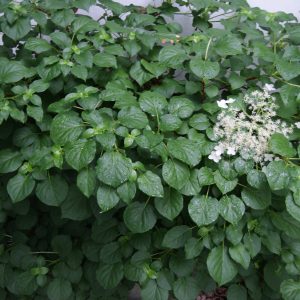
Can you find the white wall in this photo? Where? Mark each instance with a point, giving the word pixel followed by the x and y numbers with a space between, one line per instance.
pixel 290 6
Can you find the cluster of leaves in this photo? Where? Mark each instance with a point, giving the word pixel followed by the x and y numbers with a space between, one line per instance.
pixel 105 131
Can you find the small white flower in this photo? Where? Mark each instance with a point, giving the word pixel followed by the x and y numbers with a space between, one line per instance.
pixel 269 87
pixel 231 150
pixel 297 125
pixel 230 100
pixel 222 103
pixel 219 149
pixel 215 157
pixel 247 133
pixel 268 157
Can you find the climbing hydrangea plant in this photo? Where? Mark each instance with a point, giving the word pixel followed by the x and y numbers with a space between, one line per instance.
pixel 112 168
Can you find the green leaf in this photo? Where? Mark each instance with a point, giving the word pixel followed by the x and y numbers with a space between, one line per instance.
pixel 290 289
pixel 107 197
pixel 59 288
pixel 181 266
pixel 156 69
pixel 10 160
pixel 110 253
pixel 225 186
pixel 206 176
pixel 175 174
pixel 63 18
pixel 80 72
pixel 80 153
pixel 279 144
pixel 139 74
pixel 193 248
pixel 18 29
pixel 152 291
pixel 185 150
pixel 240 255
pixel 84 24
pixel 139 217
pixel 113 168
pixel 109 276
pixel 186 288
pixel 199 122
pixel 169 123
pixel 236 291
pixel 181 107
pixel 288 70
pixel 170 205
pixel 228 45
pixel 76 206
pixel 220 267
pixel 133 117
pixel 52 191
pixel 231 208
pixel 105 60
pixel 292 208
pixel 11 71
pixel 203 210
pixel 152 103
pixel 37 45
pixel 253 243
pixel 277 175
pixel 127 191
pixel 62 244
pixel 150 184
pixel 192 187
pixel 172 56
pixel 256 199
pixel 86 181
pixel 19 187
pixel 66 128
pixel 204 69
pixel 272 241
pixel 35 112
pixel 257 179
pixel 236 81
pixel 60 39
pixel 176 237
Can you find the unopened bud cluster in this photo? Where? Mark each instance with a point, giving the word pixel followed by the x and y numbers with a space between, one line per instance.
pixel 246 129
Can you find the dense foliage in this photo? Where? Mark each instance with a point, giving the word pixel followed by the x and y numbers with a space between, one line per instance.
pixel 106 128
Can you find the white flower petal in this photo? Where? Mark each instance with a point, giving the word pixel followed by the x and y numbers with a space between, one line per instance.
pixel 230 100
pixel 222 103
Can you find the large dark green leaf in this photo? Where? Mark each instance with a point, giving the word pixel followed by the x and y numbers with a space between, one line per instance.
pixel 175 173
pixel 66 128
pixel 109 276
pixel 9 160
pixel 80 153
pixel 150 184
pixel 139 217
pixel 11 71
pixel 53 191
pixel 220 267
pixel 59 288
pixel 170 205
pixel 204 69
pixel 19 187
pixel 185 150
pixel 113 168
pixel 204 210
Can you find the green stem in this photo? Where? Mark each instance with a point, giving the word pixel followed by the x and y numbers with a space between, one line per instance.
pixel 207 47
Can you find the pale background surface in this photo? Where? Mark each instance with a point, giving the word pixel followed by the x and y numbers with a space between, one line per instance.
pixel 289 6
pixel 292 6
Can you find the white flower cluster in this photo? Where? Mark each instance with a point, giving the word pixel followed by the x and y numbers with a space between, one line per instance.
pixel 246 130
